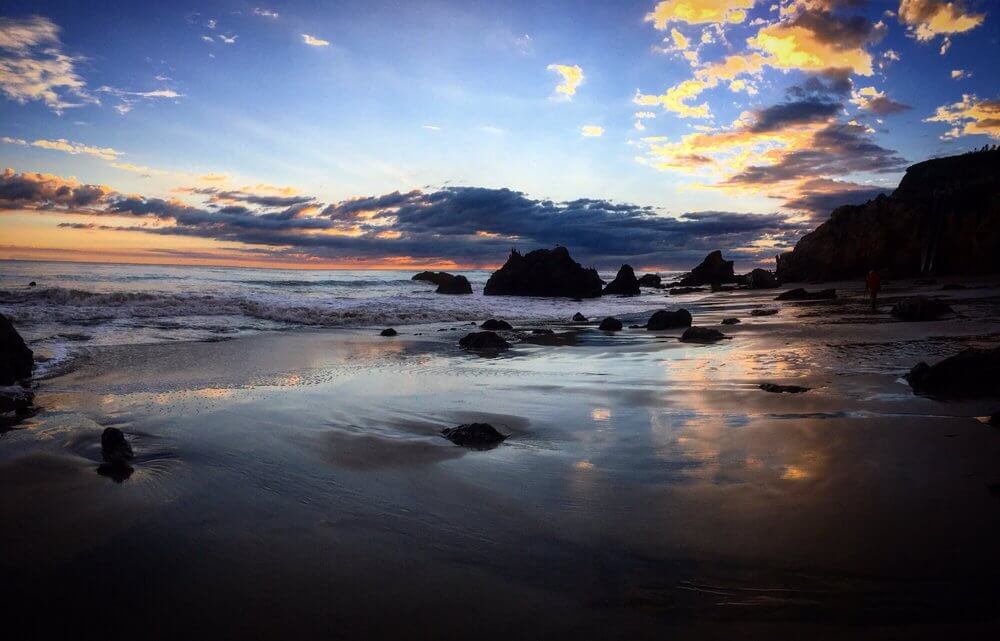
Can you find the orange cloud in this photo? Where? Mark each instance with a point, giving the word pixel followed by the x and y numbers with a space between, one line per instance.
pixel 699 12
pixel 970 117
pixel 929 18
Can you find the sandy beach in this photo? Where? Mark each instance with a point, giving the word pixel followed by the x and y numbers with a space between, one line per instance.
pixel 296 483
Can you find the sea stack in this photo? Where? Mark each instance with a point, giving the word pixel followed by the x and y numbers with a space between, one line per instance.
pixel 544 272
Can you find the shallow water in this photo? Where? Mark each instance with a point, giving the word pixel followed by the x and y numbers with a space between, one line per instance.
pixel 294 484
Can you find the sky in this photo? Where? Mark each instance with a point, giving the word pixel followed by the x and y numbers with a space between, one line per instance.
pixel 374 134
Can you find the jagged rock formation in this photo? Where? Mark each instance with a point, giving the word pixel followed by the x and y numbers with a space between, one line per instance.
pixel 714 269
pixel 944 218
pixel 544 272
pixel 16 359
pixel 624 284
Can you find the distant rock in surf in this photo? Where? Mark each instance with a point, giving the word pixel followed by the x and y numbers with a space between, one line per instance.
pixel 624 284
pixel 544 272
pixel 433 277
pixel 496 325
pixel 579 318
pixel 920 308
pixel 16 360
pixel 972 373
pixel 730 321
pixel 388 332
pixel 665 319
pixel 701 335
pixel 651 280
pixel 680 291
pixel 775 388
pixel 714 269
pixel 610 324
pixel 455 285
pixel 483 342
pixel 804 294
pixel 32 284
pixel 477 435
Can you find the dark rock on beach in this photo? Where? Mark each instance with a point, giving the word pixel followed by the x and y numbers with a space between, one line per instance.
pixel 610 324
pixel 759 279
pixel 579 318
pixel 15 399
pixel 16 360
pixel 971 373
pixel 388 332
pixel 944 216
pixel 544 272
pixel 455 285
pixel 680 291
pixel 474 435
pixel 775 388
pixel 920 308
pixel 624 284
pixel 650 280
pixel 483 342
pixel 32 284
pixel 665 319
pixel 714 269
pixel 701 335
pixel 804 294
pixel 114 447
pixel 730 321
pixel 495 325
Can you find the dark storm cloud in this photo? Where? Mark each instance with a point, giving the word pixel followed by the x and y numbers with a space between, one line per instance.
pixel 262 200
pixel 777 117
pixel 843 32
pixel 885 106
pixel 821 196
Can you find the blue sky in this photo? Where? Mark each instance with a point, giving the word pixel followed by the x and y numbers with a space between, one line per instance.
pixel 402 96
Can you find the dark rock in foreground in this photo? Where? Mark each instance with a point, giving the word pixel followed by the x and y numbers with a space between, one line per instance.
pixel 971 373
pixel 664 319
pixel 919 308
pixel 483 342
pixel 804 294
pixel 759 279
pixel 473 435
pixel 763 312
pixel 730 321
pixel 544 272
pixel 495 325
pixel 388 332
pixel 944 216
pixel 455 285
pixel 714 269
pixel 680 291
pixel 701 335
pixel 433 277
pixel 610 324
pixel 775 388
pixel 32 284
pixel 15 399
pixel 16 360
pixel 624 284
pixel 650 280
pixel 114 447
pixel 579 318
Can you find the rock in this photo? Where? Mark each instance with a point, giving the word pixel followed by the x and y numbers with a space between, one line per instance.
pixel 544 272
pixel 971 373
pixel 701 335
pixel 495 325
pixel 920 308
pixel 945 216
pixel 803 294
pixel 114 447
pixel 730 321
pixel 433 277
pixel 665 319
pixel 473 435
pixel 680 291
pixel 579 318
pixel 455 285
pixel 650 280
pixel 32 284
pixel 610 324
pixel 15 398
pixel 759 279
pixel 775 388
pixel 117 472
pixel 483 342
pixel 624 284
pixel 16 360
pixel 388 332
pixel 763 312
pixel 952 287
pixel 714 269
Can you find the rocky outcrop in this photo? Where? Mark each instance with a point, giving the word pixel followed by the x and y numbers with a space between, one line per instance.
pixel 665 319
pixel 651 280
pixel 714 269
pixel 544 272
pixel 483 342
pixel 759 279
pixel 701 335
pixel 920 308
pixel 624 284
pixel 16 360
pixel 610 324
pixel 495 325
pixel 943 218
pixel 455 285
pixel 433 277
pixel 476 435
pixel 579 318
pixel 971 373
pixel 804 294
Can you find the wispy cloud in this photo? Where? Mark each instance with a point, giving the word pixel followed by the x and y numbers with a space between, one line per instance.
pixel 66 146
pixel 266 13
pixel 313 41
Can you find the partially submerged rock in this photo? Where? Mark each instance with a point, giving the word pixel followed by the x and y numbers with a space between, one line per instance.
pixel 579 318
pixel 433 277
pixel 803 294
pixel 920 308
pixel 971 373
pixel 16 360
pixel 388 332
pixel 650 280
pixel 730 321
pixel 483 342
pixel 714 269
pixel 544 272
pixel 701 335
pixel 624 284
pixel 775 388
pixel 115 448
pixel 495 325
pixel 610 324
pixel 455 285
pixel 665 319
pixel 474 435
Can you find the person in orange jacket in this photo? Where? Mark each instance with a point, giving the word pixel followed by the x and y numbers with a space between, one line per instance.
pixel 873 283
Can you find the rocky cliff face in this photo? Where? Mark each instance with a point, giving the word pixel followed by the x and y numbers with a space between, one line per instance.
pixel 944 218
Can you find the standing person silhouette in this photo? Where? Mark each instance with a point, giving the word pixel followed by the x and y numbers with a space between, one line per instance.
pixel 873 283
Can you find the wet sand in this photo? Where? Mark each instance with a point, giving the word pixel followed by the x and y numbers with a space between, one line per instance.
pixel 295 485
